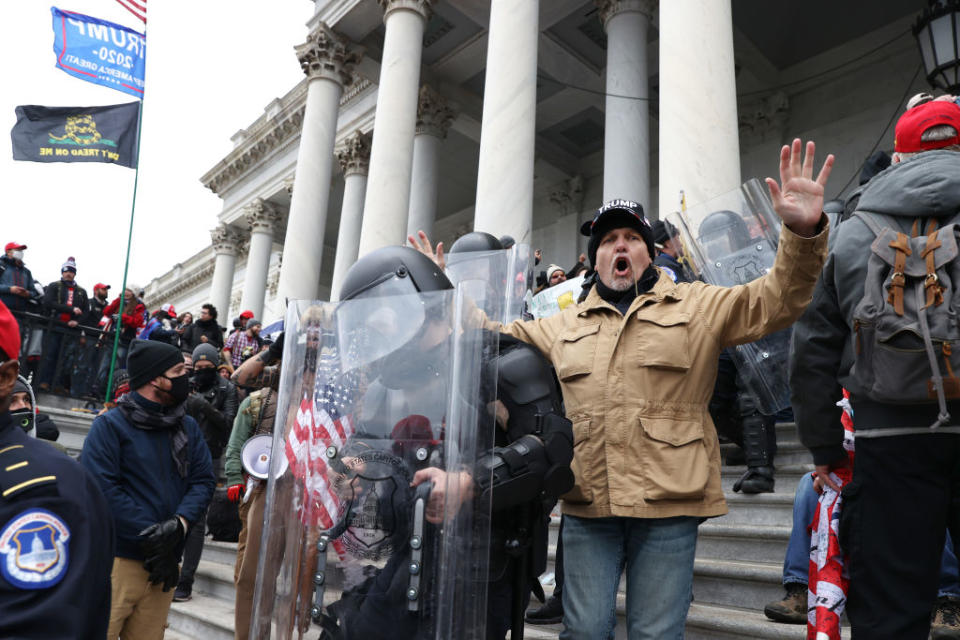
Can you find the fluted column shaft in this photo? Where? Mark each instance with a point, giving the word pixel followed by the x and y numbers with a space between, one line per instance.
pixel 626 151
pixel 391 157
pixel 354 160
pixel 505 177
pixel 433 120
pixel 326 59
pixel 261 217
pixel 699 135
pixel 225 241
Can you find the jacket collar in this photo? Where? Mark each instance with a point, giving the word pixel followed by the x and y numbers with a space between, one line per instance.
pixel 664 288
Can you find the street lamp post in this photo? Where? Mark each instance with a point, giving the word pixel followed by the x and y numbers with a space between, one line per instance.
pixel 937 31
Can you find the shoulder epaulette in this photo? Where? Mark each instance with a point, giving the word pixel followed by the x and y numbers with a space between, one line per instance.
pixel 18 473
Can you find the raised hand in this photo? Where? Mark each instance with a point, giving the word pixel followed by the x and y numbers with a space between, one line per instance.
pixel 423 246
pixel 798 199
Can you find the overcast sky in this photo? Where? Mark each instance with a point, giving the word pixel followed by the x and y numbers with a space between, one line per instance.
pixel 212 67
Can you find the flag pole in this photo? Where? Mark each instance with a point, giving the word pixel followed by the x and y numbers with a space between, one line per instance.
pixel 126 262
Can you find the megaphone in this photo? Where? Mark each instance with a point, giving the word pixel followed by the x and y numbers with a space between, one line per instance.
pixel 255 456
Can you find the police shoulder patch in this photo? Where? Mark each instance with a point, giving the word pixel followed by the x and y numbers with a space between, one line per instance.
pixel 670 272
pixel 34 549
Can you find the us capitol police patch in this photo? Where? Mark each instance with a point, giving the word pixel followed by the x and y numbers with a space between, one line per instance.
pixel 34 550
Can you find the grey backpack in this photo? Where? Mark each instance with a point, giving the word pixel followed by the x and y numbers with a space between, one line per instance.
pixel 907 336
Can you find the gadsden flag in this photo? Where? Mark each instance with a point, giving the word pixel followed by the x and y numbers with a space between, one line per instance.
pixel 77 134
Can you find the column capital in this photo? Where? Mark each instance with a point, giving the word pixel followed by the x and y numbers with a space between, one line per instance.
pixel 422 7
pixel 434 115
pixel 327 55
pixel 354 154
pixel 261 216
pixel 607 9
pixel 225 239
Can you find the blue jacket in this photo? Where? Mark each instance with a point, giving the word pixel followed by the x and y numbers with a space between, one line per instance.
pixel 135 470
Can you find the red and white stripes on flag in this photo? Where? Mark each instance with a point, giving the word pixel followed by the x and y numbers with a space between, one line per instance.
pixel 312 432
pixel 136 7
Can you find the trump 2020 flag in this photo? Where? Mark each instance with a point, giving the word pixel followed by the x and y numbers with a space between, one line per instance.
pixel 77 134
pixel 100 52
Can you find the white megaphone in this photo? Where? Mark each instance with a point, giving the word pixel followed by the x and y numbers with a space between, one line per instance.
pixel 255 456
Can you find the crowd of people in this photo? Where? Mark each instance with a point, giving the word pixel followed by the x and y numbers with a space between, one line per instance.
pixel 67 336
pixel 625 430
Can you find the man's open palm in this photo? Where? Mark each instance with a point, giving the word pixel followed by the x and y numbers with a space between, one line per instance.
pixel 798 199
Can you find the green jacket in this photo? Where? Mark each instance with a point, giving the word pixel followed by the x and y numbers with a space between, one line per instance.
pixel 243 427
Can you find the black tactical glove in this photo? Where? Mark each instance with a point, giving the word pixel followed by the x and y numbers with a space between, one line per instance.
pixel 162 539
pixel 275 352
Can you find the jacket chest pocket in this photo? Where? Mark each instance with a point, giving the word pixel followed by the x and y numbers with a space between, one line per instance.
pixel 576 351
pixel 663 340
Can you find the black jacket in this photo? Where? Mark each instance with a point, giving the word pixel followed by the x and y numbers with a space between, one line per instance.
pixel 71 597
pixel 214 409
pixel 191 337
pixel 55 301
pixel 94 312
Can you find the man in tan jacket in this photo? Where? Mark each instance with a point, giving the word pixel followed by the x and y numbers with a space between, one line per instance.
pixel 637 360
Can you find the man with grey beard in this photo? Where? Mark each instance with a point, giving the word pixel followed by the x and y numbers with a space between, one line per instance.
pixel 637 360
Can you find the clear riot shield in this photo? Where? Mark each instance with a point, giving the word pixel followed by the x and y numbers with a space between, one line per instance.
pixel 508 275
pixel 732 240
pixel 372 529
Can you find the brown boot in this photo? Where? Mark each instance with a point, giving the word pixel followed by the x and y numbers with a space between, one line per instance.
pixel 945 622
pixel 793 608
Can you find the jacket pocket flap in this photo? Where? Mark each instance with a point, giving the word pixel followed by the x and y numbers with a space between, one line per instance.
pixel 664 319
pixel 674 431
pixel 572 335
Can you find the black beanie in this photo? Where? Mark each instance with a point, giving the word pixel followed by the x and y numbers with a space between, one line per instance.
pixel 149 359
pixel 617 219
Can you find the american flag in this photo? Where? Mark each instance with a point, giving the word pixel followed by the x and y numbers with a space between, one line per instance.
pixel 323 419
pixel 136 7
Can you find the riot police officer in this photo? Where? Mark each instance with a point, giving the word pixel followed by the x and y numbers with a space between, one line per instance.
pixel 56 533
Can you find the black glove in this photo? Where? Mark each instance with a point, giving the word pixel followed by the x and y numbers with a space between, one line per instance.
pixel 162 539
pixel 163 571
pixel 275 352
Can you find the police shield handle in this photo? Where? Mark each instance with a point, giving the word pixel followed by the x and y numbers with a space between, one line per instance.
pixel 458 486
pixel 798 199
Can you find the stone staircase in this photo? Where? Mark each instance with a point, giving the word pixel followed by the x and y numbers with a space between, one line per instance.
pixel 737 569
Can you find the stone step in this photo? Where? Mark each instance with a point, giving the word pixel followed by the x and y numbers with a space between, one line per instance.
pixel 710 622
pixel 222 552
pixel 759 543
pixel 760 509
pixel 204 616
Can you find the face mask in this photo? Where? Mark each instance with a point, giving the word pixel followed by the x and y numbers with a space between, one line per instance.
pixel 23 418
pixel 203 378
pixel 18 255
pixel 179 388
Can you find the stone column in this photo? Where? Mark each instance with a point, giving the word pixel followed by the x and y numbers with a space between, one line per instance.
pixel 505 177
pixel 326 59
pixel 626 147
pixel 391 156
pixel 699 141
pixel 433 122
pixel 225 245
pixel 262 218
pixel 354 159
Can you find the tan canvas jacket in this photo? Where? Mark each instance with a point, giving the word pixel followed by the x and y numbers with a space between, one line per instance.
pixel 637 386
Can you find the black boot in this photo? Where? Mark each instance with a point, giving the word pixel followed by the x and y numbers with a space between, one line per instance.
pixel 550 612
pixel 759 447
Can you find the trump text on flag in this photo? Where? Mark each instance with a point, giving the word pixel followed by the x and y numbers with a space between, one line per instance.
pixel 99 51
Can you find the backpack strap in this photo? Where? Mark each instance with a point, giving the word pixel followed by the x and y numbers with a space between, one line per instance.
pixel 877 222
pixel 931 281
pixel 898 279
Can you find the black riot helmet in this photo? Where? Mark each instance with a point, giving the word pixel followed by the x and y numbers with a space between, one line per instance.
pixel 476 241
pixel 723 233
pixel 391 270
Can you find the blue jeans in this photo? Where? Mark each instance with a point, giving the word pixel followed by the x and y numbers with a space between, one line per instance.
pixel 658 557
pixel 796 563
